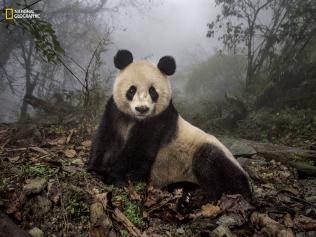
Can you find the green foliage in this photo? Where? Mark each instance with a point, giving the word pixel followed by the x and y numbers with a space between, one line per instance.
pixel 131 208
pixel 44 37
pixel 81 175
pixel 75 101
pixel 78 209
pixel 140 187
pixel 55 129
pixel 124 233
pixel 37 170
pixel 273 47
pixel 3 184
pixel 287 125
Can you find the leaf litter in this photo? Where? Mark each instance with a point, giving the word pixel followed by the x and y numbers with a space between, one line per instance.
pixel 44 188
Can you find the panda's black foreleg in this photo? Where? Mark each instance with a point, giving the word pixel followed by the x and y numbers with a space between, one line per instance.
pixel 217 174
pixel 106 144
pixel 129 167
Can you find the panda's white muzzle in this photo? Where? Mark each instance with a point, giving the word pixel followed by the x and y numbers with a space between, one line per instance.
pixel 142 105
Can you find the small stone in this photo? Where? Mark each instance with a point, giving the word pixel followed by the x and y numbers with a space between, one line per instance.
pixel 222 231
pixel 36 232
pixel 180 231
pixel 78 162
pixel 227 221
pixel 34 186
pixel 101 224
pixel 70 153
pixel 39 206
pixel 96 213
pixel 86 143
pixel 53 191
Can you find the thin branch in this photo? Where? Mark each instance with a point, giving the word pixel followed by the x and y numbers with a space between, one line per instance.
pixel 89 64
pixel 17 59
pixel 76 63
pixel 69 70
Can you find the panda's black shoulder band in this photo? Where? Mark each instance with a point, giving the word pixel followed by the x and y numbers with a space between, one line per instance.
pixel 167 65
pixel 122 59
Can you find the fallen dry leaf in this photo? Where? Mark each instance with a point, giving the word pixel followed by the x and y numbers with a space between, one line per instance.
pixel 269 226
pixel 70 153
pixel 236 207
pixel 235 204
pixel 207 210
pixel 57 141
pixel 288 222
pixel 305 222
pixel 40 150
pixel 86 143
pixel 69 136
pixel 12 202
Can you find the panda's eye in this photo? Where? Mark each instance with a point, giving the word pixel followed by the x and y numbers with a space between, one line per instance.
pixel 153 93
pixel 131 92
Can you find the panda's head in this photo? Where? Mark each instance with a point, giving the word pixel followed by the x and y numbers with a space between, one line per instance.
pixel 142 89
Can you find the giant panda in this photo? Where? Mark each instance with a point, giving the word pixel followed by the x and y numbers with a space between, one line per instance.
pixel 142 137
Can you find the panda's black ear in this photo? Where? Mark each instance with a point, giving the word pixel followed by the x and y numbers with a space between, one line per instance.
pixel 167 65
pixel 122 59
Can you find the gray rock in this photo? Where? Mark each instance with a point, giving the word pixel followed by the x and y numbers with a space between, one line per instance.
pixel 222 231
pixel 180 231
pixel 34 186
pixel 101 224
pixel 96 213
pixel 238 147
pixel 53 191
pixel 41 206
pixel 36 232
pixel 227 221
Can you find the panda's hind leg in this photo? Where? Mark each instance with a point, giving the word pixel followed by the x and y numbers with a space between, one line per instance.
pixel 217 174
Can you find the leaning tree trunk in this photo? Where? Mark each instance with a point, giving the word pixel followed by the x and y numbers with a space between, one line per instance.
pixel 304 160
pixel 29 83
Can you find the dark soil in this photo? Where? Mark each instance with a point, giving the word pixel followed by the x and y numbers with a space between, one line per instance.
pixel 44 184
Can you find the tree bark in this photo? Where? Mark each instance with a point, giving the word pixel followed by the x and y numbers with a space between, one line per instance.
pixel 29 83
pixel 303 160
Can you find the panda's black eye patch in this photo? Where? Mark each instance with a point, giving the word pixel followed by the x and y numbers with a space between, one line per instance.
pixel 131 92
pixel 153 93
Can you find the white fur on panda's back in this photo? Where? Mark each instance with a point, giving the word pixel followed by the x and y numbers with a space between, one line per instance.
pixel 174 161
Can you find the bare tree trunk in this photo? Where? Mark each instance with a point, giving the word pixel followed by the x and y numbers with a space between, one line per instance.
pixel 29 83
pixel 250 72
pixel 250 55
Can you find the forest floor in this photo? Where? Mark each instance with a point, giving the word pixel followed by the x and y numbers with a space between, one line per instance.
pixel 46 191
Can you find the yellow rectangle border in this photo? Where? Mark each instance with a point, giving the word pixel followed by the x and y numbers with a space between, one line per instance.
pixel 9 10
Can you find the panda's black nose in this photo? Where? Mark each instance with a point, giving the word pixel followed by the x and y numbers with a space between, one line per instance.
pixel 142 109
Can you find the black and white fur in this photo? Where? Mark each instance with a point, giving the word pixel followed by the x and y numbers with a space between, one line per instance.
pixel 142 137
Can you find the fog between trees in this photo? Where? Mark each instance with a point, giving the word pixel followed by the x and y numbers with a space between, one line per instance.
pixel 243 51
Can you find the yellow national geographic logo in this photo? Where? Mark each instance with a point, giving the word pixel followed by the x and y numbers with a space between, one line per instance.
pixel 9 12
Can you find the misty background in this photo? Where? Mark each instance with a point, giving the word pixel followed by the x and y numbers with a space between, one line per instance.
pixel 238 62
pixel 246 73
pixel 148 29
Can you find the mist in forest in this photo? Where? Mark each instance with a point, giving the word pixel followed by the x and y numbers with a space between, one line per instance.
pixel 233 58
pixel 148 29
pixel 244 88
pixel 175 28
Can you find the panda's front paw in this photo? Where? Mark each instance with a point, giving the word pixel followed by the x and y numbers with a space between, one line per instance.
pixel 118 181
